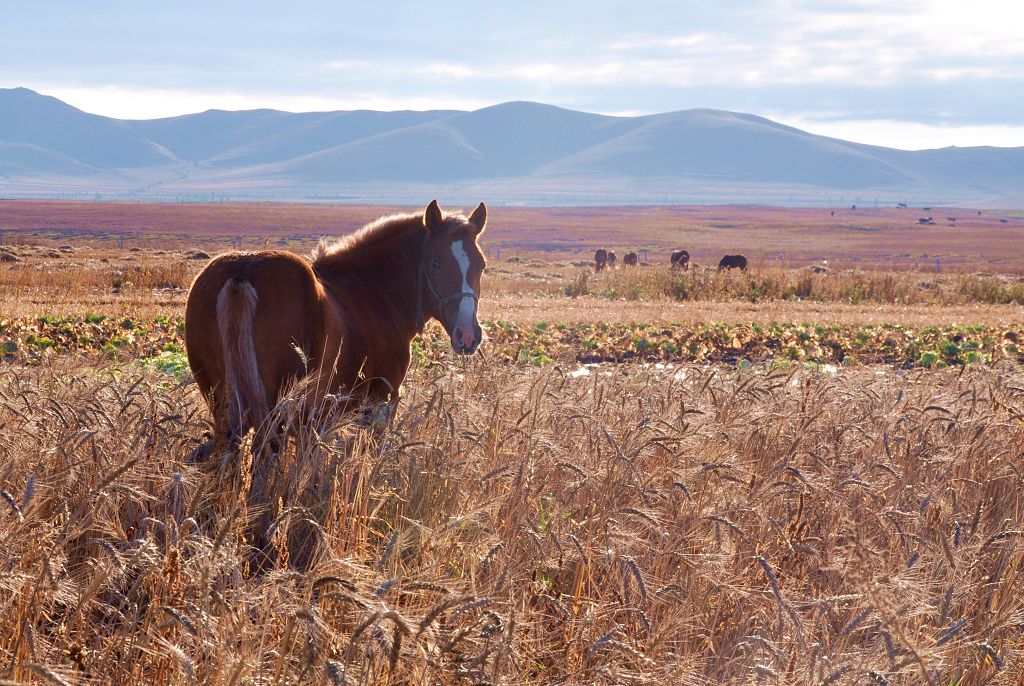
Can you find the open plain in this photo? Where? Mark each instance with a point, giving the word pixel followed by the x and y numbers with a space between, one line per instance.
pixel 778 476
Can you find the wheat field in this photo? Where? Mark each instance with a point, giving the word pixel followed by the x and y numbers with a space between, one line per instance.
pixel 799 478
pixel 622 524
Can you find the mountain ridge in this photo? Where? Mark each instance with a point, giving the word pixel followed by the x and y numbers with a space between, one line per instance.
pixel 511 150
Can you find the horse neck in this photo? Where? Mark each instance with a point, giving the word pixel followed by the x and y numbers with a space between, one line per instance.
pixel 385 276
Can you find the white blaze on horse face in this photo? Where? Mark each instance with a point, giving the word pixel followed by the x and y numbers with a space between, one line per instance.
pixel 467 304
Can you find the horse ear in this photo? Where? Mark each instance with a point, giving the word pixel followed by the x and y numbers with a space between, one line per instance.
pixel 479 217
pixel 432 216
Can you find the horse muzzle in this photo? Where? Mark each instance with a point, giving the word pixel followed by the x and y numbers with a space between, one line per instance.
pixel 466 337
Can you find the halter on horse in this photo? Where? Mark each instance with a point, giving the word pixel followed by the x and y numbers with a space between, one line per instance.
pixel 441 303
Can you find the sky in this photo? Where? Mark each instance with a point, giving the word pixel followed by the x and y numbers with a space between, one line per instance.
pixel 909 74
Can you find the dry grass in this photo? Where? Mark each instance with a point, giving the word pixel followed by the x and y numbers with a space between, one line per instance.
pixel 146 283
pixel 531 309
pixel 852 287
pixel 525 526
pixel 136 283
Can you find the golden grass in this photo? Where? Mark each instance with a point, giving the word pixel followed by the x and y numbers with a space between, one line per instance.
pixel 531 309
pixel 690 525
pixel 148 283
pixel 852 287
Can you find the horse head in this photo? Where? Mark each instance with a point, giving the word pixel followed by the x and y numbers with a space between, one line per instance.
pixel 451 269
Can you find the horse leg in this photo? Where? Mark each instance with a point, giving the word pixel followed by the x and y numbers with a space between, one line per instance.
pixel 226 437
pixel 262 556
pixel 201 453
pixel 267 444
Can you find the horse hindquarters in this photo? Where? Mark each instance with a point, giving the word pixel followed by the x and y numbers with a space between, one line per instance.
pixel 248 315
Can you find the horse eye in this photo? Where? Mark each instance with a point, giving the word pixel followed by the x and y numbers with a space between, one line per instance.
pixel 436 264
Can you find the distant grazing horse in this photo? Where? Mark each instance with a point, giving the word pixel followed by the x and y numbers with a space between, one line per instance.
pixel 680 260
pixel 611 259
pixel 600 259
pixel 256 321
pixel 733 262
pixel 630 260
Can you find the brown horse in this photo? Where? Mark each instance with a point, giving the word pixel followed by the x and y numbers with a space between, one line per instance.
pixel 600 259
pixel 611 259
pixel 630 260
pixel 255 322
pixel 352 312
pixel 680 260
pixel 733 262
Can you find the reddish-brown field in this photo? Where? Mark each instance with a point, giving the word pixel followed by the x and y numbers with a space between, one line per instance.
pixel 884 238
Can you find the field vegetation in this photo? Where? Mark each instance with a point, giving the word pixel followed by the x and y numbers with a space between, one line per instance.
pixel 526 525
pixel 850 286
pixel 646 477
pixel 40 279
pixel 38 339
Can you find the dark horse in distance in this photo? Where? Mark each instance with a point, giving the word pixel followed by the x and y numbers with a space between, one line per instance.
pixel 733 262
pixel 257 321
pixel 680 260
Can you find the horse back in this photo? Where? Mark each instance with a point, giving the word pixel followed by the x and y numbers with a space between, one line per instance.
pixel 287 316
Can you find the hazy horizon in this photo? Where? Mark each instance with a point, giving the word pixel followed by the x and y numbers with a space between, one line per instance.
pixel 908 75
pixel 911 135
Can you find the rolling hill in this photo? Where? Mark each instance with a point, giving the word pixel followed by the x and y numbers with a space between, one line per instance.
pixel 518 152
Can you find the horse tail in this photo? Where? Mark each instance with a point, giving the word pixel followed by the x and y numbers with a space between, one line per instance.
pixel 246 395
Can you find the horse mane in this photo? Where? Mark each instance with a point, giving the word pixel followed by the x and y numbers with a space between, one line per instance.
pixel 372 239
pixel 374 234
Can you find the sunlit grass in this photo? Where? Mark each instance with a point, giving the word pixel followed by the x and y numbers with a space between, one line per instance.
pixel 524 525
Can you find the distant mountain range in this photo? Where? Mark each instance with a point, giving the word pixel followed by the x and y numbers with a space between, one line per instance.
pixel 516 152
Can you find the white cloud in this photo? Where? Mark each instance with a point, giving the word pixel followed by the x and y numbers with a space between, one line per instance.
pixel 863 42
pixel 906 135
pixel 347 65
pixel 448 71
pixel 648 42
pixel 124 103
pixel 932 29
